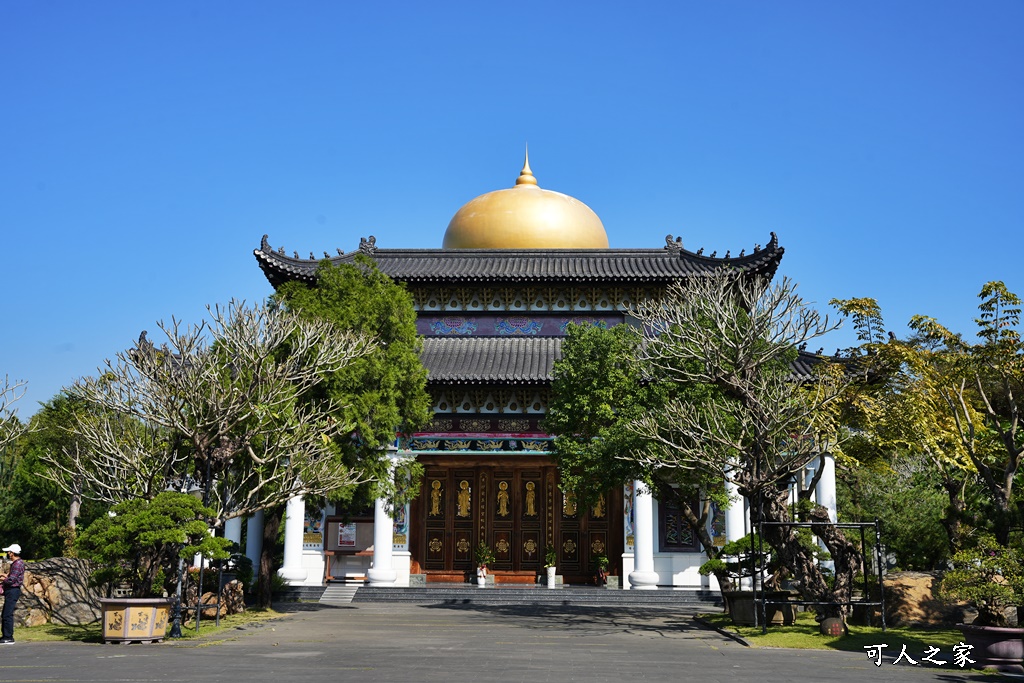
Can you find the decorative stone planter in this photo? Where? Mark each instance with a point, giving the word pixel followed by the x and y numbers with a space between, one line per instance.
pixel 550 573
pixel 135 620
pixel 995 647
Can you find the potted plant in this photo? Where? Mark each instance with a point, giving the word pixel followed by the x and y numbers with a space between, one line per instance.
pixel 601 570
pixel 138 545
pixel 484 558
pixel 989 577
pixel 741 559
pixel 550 560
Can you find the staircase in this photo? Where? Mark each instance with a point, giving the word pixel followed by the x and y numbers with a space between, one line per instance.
pixel 690 600
pixel 339 593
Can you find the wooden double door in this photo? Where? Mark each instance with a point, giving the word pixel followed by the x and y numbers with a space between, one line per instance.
pixel 517 509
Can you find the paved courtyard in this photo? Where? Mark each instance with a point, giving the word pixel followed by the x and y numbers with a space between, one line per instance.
pixel 399 643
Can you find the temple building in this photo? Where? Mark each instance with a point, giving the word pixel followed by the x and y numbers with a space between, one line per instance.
pixel 516 267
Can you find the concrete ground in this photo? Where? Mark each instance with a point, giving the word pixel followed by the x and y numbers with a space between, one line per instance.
pixel 408 643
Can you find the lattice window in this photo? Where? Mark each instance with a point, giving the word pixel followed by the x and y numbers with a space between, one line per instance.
pixel 674 532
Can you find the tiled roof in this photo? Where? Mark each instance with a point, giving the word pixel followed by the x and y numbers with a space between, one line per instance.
pixel 490 360
pixel 803 366
pixel 639 266
pixel 519 360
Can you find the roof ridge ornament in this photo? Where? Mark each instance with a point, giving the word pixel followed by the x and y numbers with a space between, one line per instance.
pixel 526 175
pixel 675 245
pixel 368 245
pixel 265 244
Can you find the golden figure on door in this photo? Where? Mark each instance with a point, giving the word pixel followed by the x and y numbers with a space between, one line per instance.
pixel 598 510
pixel 435 498
pixel 569 505
pixel 503 499
pixel 531 499
pixel 463 500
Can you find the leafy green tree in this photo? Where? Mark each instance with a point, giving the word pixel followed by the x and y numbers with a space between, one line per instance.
pixel 33 509
pixel 987 380
pixel 908 498
pixel 141 542
pixel 955 402
pixel 988 575
pixel 383 392
pixel 896 414
pixel 379 395
pixel 762 422
pixel 598 391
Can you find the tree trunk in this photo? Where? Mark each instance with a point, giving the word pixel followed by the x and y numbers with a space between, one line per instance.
pixel 800 560
pixel 264 584
pixel 953 521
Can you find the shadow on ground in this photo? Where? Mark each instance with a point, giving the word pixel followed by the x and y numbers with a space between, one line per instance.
pixel 298 607
pixel 586 620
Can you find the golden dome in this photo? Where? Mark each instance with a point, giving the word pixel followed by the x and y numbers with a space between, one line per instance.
pixel 525 217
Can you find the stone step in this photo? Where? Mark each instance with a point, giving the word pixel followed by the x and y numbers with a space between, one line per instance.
pixel 696 600
pixel 299 593
pixel 338 594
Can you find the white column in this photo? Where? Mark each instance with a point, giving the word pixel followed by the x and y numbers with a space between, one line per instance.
pixel 735 514
pixel 383 573
pixel 825 495
pixel 295 517
pixel 825 492
pixel 233 530
pixel 643 576
pixel 254 541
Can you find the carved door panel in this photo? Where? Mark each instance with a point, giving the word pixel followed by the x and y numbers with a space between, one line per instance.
pixel 466 500
pixel 500 530
pixel 448 506
pixel 585 533
pixel 518 511
pixel 529 514
pixel 435 514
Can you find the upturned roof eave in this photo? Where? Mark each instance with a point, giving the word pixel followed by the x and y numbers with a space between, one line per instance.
pixel 610 265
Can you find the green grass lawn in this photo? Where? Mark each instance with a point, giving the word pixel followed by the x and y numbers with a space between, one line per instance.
pixel 90 633
pixel 804 634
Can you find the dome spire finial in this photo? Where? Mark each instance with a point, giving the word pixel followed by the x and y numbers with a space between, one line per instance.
pixel 526 175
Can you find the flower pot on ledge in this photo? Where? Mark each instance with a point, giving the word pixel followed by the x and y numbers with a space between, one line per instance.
pixel 134 620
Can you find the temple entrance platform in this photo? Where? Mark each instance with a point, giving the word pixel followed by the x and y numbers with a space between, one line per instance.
pixel 526 594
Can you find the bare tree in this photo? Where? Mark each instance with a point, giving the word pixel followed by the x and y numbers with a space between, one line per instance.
pixel 765 418
pixel 218 403
pixel 11 428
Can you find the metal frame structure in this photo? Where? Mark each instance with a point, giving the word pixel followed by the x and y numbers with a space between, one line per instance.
pixel 762 602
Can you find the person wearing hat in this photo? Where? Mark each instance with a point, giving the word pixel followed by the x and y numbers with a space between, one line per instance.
pixel 11 582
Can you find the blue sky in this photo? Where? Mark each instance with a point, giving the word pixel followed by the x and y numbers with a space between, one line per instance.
pixel 146 147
